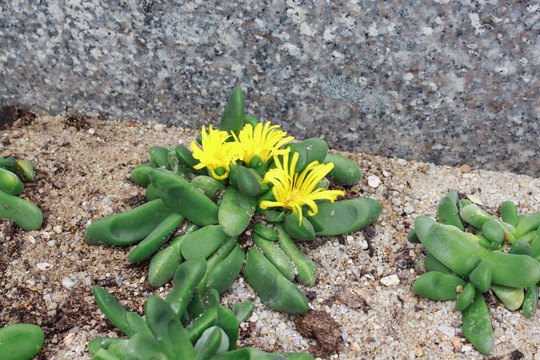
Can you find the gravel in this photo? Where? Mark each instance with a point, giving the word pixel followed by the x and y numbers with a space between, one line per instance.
pixel 365 278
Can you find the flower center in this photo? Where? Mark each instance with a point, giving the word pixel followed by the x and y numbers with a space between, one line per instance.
pixel 292 196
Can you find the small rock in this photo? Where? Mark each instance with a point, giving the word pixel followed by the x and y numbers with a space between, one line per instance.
pixel 408 209
pixel 391 280
pixel 57 229
pixel 44 266
pixel 456 342
pixel 68 283
pixel 402 162
pixel 448 331
pixel 356 347
pixel 465 168
pixel 364 245
pixel 373 181
pixel 91 131
pixel 418 352
pixel 159 127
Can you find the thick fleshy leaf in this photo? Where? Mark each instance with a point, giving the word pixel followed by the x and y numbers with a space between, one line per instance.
pixel 346 216
pixel 235 211
pixel 232 118
pixel 167 329
pixel 272 287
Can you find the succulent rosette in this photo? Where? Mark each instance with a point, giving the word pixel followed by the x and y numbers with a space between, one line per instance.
pixel 245 180
pixel 13 172
pixel 471 252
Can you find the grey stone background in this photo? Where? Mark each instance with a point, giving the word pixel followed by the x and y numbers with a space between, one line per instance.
pixel 450 82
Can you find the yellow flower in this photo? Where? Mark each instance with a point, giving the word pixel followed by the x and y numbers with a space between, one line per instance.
pixel 263 141
pixel 293 190
pixel 216 152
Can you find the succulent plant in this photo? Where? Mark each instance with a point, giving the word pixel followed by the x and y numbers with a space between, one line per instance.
pixel 211 330
pixel 25 214
pixel 245 179
pixel 470 252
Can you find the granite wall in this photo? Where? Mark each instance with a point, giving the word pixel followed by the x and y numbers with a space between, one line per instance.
pixel 451 82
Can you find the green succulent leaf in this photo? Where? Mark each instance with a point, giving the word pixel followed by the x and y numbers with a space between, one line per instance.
pixel 232 118
pixel 20 341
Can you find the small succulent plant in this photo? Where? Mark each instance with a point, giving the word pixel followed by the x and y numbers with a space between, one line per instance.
pixel 470 252
pixel 211 330
pixel 13 172
pixel 20 341
pixel 245 179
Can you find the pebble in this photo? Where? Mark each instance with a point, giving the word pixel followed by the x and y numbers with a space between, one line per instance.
pixel 44 266
pixel 465 168
pixel 408 209
pixel 68 283
pixel 447 330
pixel 402 162
pixel 456 342
pixel 391 280
pixel 364 245
pixel 355 347
pixel 57 229
pixel 373 181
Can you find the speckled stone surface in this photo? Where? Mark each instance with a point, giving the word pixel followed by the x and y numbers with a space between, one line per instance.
pixel 440 81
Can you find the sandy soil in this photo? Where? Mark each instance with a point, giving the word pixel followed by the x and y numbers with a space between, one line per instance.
pixel 83 171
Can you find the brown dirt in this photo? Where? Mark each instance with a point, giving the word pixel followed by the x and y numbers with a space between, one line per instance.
pixel 320 326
